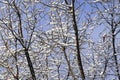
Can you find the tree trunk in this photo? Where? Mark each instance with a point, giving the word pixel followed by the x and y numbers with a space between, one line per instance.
pixel 77 42
pixel 115 56
pixel 30 64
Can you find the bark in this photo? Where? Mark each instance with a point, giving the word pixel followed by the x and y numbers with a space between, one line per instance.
pixel 16 59
pixel 20 32
pixel 30 64
pixel 68 63
pixel 17 74
pixel 77 42
pixel 113 29
pixel 20 22
pixel 115 56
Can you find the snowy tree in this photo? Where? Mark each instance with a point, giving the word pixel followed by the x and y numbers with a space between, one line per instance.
pixel 59 39
pixel 108 18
